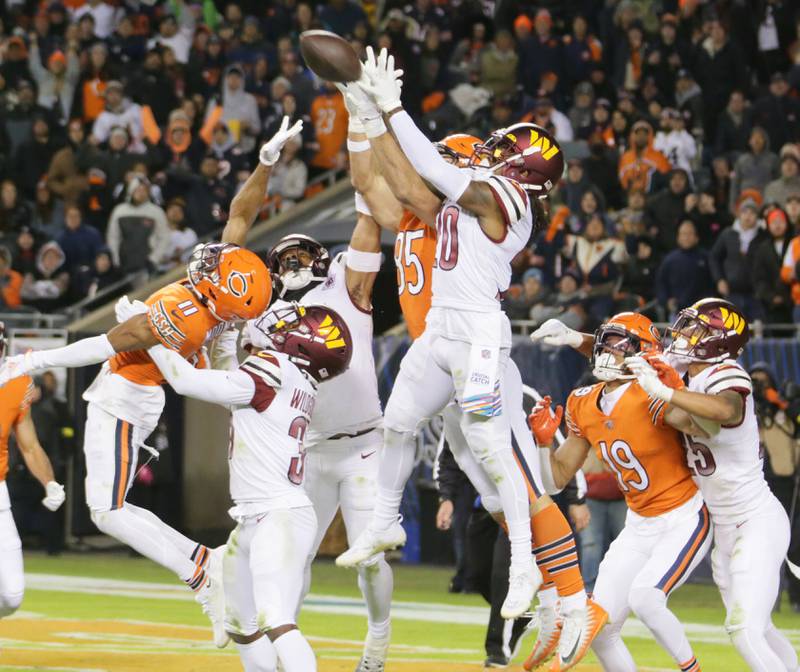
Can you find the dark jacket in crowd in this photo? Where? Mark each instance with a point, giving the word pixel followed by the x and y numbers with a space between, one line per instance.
pixel 767 283
pixel 780 117
pixel 81 245
pixel 728 263
pixel 684 275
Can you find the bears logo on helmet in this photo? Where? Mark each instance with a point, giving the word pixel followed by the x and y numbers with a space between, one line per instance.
pixel 626 334
pixel 232 281
pixel 526 153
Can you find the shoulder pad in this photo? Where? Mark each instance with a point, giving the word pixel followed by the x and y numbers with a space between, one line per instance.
pixel 265 366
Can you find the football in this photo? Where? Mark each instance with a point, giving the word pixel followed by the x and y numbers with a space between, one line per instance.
pixel 329 56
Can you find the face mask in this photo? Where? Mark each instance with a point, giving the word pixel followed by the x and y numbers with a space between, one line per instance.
pixel 607 369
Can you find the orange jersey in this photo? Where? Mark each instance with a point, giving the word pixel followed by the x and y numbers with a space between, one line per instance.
pixel 414 251
pixel 180 321
pixel 15 400
pixel 645 454
pixel 329 116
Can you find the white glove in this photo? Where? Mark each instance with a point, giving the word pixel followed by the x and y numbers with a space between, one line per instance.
pixel 15 367
pixel 271 150
pixel 555 332
pixel 648 379
pixel 125 309
pixel 381 81
pixel 359 105
pixel 54 496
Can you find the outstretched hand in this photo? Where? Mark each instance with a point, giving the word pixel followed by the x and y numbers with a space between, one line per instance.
pixel 544 422
pixel 271 150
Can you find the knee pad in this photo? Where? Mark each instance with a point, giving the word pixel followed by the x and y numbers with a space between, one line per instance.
pixel 10 602
pixel 400 418
pixel 646 601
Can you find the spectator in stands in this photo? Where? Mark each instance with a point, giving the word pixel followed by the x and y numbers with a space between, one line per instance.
pixel 182 238
pixel 778 112
pixel 732 259
pixel 545 114
pixel 675 142
pixel 640 268
pixel 79 241
pixel 14 211
pixel 591 205
pixel 64 178
pixel 99 275
pixel 498 65
pixel 10 282
pixel 733 127
pixel 46 288
pixel 665 208
pixel 126 47
pixel 329 116
pixel 719 69
pixel 207 195
pixel 601 169
pixel 689 100
pixel 581 113
pixel 779 190
pixel 639 166
pixel 768 256
pixel 574 184
pixel 105 16
pixel 93 83
pixel 631 219
pixel 177 38
pixel 239 109
pixel 56 83
pixel 540 52
pixel 26 247
pixel 289 177
pixel 581 50
pixel 629 59
pixel 119 112
pixel 756 168
pixel 300 83
pixel 151 87
pixel 793 213
pixel 533 292
pixel 48 212
pixel 33 157
pixel 138 235
pixel 684 275
pixel 341 16
pixel 709 220
pixel 566 303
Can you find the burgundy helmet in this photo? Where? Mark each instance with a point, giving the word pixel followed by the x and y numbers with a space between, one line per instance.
pixel 291 273
pixel 315 338
pixel 526 153
pixel 712 330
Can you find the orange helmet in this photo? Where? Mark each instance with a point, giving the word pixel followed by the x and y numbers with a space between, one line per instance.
pixel 625 334
pixel 233 282
pixel 459 147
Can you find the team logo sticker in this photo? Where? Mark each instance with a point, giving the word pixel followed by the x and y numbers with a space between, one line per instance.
pixel 237 284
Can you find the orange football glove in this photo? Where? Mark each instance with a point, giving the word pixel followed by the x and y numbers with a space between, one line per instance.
pixel 666 374
pixel 544 422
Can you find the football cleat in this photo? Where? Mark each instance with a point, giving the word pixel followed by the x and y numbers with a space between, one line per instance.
pixel 211 597
pixel 523 584
pixel 547 639
pixel 371 542
pixel 375 651
pixel 496 661
pixel 578 631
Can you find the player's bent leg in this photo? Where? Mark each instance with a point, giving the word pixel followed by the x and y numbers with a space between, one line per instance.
pixel 782 647
pixel 12 576
pixel 294 651
pixel 256 652
pixel 758 548
pixel 196 552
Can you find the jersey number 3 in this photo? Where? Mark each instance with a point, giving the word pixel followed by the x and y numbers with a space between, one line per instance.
pixel 447 238
pixel 405 258
pixel 297 466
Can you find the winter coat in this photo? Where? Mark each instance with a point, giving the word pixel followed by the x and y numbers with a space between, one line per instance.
pixel 51 91
pixel 767 283
pixel 753 171
pixel 729 263
pixel 684 276
pixel 138 236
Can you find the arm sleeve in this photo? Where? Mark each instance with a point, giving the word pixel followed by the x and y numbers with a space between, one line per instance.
pixel 227 388
pixel 81 353
pixel 223 351
pixel 35 64
pixel 449 180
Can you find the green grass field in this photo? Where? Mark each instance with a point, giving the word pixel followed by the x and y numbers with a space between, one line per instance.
pixel 110 612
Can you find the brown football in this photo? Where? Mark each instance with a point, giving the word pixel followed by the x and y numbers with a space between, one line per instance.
pixel 329 56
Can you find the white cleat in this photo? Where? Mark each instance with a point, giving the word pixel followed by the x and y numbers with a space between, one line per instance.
pixel 211 597
pixel 370 542
pixel 375 653
pixel 523 584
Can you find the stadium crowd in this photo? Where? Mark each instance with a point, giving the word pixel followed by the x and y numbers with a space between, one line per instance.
pixel 125 129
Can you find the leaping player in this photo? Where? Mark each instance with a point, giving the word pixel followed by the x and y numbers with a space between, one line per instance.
pixel 668 528
pixel 15 400
pixel 401 202
pixel 271 397
pixel 716 413
pixel 225 283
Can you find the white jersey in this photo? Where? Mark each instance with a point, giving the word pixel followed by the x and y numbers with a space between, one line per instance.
pixel 471 271
pixel 729 467
pixel 266 454
pixel 348 404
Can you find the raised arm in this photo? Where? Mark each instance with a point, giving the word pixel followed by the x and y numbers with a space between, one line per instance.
pixel 226 388
pixel 560 466
pixel 555 332
pixel 363 260
pixel 247 203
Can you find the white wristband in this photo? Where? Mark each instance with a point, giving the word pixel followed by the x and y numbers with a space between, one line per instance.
pixel 361 205
pixel 364 262
pixel 374 127
pixel 355 146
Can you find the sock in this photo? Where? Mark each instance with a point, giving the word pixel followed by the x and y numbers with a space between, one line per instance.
pixel 182 543
pixel 555 551
pixel 258 656
pixel 376 583
pixel 196 581
pixel 295 652
pixel 548 596
pixel 611 650
pixel 200 555
pixel 781 646
pixel 690 665
pixel 650 605
pixel 752 646
pixel 396 465
pixel 145 538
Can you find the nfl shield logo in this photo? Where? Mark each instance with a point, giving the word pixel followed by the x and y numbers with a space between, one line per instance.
pixel 486 354
pixel 609 424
